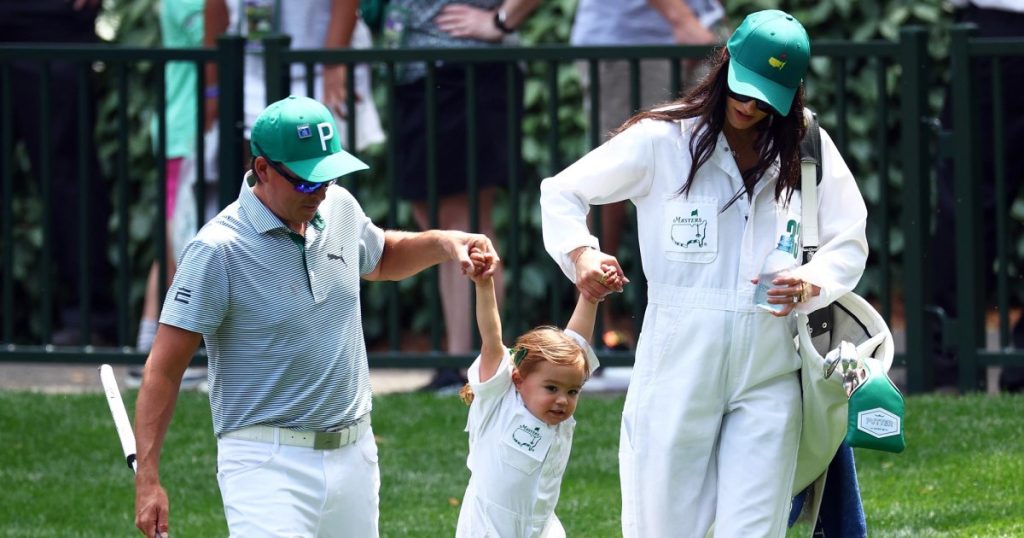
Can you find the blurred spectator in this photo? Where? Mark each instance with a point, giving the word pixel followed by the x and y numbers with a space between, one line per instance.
pixel 630 23
pixel 181 26
pixel 63 21
pixel 311 24
pixel 994 18
pixel 448 24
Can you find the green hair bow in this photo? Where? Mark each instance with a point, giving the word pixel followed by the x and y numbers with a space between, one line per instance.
pixel 518 354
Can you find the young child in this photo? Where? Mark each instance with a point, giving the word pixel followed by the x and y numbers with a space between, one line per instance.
pixel 520 418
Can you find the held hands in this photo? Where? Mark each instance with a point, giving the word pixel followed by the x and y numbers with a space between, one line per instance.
pixel 789 291
pixel 462 246
pixel 597 274
pixel 482 262
pixel 469 22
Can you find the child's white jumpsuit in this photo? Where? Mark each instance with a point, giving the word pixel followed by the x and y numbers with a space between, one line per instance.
pixel 516 460
pixel 712 418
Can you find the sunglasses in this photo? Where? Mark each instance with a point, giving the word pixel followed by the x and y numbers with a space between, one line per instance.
pixel 300 185
pixel 761 105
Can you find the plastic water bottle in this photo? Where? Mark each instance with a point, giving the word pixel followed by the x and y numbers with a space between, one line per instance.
pixel 777 261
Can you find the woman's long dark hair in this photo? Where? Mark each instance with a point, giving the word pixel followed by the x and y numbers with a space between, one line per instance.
pixel 778 136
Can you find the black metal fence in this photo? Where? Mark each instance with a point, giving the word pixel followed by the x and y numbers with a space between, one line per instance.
pixel 891 151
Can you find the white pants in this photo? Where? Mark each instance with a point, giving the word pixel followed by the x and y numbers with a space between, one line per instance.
pixel 712 419
pixel 281 491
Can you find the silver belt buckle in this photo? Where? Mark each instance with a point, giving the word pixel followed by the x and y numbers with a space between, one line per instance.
pixel 326 440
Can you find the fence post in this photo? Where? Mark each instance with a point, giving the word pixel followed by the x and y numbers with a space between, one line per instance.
pixel 231 120
pixel 914 141
pixel 276 71
pixel 969 290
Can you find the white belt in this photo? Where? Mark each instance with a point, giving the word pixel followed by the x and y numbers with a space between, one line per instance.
pixel 307 439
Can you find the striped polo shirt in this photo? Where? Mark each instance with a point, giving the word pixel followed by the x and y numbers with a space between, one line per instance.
pixel 280 313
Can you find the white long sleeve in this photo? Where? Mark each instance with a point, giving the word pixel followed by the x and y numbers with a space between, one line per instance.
pixel 620 169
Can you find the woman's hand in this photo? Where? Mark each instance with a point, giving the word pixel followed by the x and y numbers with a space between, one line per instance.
pixel 597 274
pixel 789 291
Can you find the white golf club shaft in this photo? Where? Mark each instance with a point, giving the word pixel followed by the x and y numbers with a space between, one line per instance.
pixel 121 421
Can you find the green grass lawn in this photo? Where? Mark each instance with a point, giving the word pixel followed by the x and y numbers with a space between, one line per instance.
pixel 61 471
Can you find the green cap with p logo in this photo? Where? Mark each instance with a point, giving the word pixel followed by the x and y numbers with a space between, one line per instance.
pixel 300 133
pixel 768 58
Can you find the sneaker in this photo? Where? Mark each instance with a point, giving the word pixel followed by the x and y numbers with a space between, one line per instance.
pixel 194 379
pixel 446 381
pixel 133 378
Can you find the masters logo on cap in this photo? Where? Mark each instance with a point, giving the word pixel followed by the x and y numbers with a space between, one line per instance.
pixel 769 53
pixel 300 133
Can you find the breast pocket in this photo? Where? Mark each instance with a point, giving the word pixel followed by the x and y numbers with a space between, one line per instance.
pixel 689 229
pixel 519 460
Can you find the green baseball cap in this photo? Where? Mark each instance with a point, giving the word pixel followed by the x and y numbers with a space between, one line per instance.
pixel 769 53
pixel 300 133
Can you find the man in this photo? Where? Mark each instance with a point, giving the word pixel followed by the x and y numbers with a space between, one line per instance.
pixel 272 285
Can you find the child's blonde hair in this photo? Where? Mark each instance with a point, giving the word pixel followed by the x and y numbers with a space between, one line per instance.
pixel 542 344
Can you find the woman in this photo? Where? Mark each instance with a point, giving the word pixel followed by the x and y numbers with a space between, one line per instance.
pixel 712 417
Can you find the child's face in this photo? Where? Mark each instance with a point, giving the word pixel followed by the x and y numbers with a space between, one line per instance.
pixel 550 391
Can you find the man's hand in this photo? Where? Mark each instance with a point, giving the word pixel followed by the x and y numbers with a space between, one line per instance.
pixel 151 508
pixel 482 262
pixel 460 245
pixel 691 32
pixel 336 88
pixel 469 22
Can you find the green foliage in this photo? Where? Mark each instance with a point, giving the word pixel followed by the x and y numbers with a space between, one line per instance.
pixel 64 475
pixel 132 23
pixel 857 133
pixel 544 295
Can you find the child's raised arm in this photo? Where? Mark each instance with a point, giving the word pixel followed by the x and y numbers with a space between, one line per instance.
pixel 584 316
pixel 492 350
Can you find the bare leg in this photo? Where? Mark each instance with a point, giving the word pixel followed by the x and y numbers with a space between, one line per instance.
pixel 151 302
pixel 456 292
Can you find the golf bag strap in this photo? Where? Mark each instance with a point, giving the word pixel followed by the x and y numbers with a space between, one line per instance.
pixel 810 175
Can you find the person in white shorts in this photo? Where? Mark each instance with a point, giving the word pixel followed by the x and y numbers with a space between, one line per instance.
pixel 272 285
pixel 520 424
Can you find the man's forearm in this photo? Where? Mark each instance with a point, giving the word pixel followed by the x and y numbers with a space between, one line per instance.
pixel 408 253
pixel 676 12
pixel 172 350
pixel 153 411
pixel 342 24
pixel 215 23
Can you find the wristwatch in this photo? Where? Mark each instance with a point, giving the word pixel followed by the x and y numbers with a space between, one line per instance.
pixel 499 22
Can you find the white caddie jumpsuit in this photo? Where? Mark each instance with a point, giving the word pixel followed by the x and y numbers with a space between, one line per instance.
pixel 712 417
pixel 516 460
